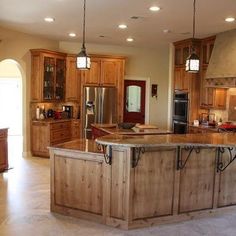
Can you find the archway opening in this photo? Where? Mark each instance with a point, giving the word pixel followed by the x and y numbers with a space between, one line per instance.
pixel 11 107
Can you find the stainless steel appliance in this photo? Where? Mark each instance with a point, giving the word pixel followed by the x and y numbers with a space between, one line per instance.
pixel 180 112
pixel 99 107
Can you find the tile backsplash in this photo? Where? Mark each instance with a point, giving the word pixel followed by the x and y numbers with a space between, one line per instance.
pixel 224 114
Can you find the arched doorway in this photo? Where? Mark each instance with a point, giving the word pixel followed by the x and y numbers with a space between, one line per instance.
pixel 11 107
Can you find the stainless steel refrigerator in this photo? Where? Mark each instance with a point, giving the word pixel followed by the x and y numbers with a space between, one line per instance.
pixel 99 107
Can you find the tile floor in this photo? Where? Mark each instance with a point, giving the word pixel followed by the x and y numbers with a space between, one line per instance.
pixel 24 210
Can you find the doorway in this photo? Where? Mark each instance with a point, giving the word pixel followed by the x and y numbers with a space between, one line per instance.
pixel 134 101
pixel 11 108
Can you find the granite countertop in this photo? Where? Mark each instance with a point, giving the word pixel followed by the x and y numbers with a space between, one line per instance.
pixel 78 145
pixel 113 129
pixel 206 140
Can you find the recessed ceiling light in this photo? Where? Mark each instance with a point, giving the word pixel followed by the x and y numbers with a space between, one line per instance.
pixel 129 39
pixel 49 19
pixel 122 26
pixel 230 19
pixel 154 8
pixel 72 35
pixel 166 31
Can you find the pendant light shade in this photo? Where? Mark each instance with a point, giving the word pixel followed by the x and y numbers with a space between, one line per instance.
pixel 193 61
pixel 83 60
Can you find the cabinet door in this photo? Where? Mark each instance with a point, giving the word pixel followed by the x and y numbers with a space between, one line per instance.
pixel 75 129
pixel 36 75
pixel 72 80
pixel 186 76
pixel 48 78
pixel 110 72
pixel 92 76
pixel 207 94
pixel 60 79
pixel 181 79
pixel 178 79
pixel 220 98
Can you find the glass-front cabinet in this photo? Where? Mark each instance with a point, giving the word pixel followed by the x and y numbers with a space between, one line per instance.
pixel 47 75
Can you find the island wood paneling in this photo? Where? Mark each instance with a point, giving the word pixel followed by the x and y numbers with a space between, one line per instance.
pixel 227 189
pixel 197 180
pixel 72 175
pixel 118 184
pixel 154 183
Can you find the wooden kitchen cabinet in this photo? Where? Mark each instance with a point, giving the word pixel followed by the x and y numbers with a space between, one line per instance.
pixel 211 98
pixel 207 45
pixel 183 50
pixel 185 81
pixel 75 129
pixel 104 72
pixel 44 134
pixel 48 70
pixel 3 150
pixel 181 79
pixel 220 98
pixel 73 80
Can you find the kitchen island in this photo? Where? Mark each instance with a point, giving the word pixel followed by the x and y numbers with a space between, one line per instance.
pixel 144 180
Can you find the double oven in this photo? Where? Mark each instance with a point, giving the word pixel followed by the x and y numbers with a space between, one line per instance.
pixel 180 112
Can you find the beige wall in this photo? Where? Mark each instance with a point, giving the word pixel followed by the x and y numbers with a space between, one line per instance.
pixel 15 45
pixel 141 62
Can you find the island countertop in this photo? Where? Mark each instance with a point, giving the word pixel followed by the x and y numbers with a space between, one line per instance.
pixel 208 140
pixel 114 129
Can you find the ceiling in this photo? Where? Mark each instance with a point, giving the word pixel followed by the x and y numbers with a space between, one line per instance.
pixel 103 17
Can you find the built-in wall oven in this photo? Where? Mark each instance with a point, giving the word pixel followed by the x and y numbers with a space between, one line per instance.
pixel 180 112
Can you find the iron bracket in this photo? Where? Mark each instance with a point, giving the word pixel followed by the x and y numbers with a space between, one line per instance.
pixel 180 163
pixel 222 165
pixel 106 153
pixel 136 153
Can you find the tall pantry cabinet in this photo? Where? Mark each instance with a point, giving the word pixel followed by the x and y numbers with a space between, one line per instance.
pixel 185 81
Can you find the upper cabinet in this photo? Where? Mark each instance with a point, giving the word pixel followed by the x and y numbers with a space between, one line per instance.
pixel 183 50
pixel 92 76
pixel 104 72
pixel 206 49
pixel 48 71
pixel 73 80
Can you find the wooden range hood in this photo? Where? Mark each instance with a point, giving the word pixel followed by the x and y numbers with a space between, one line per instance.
pixel 221 71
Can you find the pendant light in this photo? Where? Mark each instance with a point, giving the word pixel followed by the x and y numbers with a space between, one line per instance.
pixel 193 62
pixel 83 60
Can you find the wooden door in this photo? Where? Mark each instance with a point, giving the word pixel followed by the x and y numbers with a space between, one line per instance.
pixel 134 102
pixel 110 72
pixel 92 76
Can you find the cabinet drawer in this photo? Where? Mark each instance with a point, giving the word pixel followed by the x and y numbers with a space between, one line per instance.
pixel 3 134
pixel 58 136
pixel 61 125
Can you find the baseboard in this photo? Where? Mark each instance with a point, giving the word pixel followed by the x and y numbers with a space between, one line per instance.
pixel 26 154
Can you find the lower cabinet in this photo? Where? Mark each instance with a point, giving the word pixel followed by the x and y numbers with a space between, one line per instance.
pixel 197 129
pixel 44 134
pixel 3 150
pixel 75 129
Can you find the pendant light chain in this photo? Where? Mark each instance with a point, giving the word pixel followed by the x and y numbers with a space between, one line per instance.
pixel 83 46
pixel 194 12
